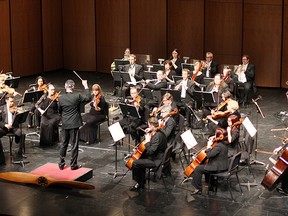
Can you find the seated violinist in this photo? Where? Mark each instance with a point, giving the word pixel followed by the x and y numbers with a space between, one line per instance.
pixel 47 105
pixel 6 120
pixel 4 89
pixel 97 113
pixel 155 145
pixel 284 178
pixel 217 154
pixel 40 85
pixel 130 123
pixel 233 132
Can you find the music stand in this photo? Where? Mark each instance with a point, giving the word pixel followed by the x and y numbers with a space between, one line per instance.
pixel 157 67
pixel 120 62
pixel 12 82
pixel 177 78
pixel 117 77
pixel 207 80
pixel 175 93
pixel 204 96
pixel 259 111
pixel 147 93
pixel 188 66
pixel 18 120
pixel 117 134
pixel 126 77
pixel 150 75
pixel 129 110
pixel 32 97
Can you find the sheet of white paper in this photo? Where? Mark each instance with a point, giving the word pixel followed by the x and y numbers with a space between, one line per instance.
pixel 249 127
pixel 188 139
pixel 116 131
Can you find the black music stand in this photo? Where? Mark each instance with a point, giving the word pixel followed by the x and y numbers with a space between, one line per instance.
pixel 204 96
pixel 32 97
pixel 177 78
pixel 259 111
pixel 157 67
pixel 175 93
pixel 18 120
pixel 150 75
pixel 117 77
pixel 129 110
pixel 120 62
pixel 12 82
pixel 188 66
pixel 147 93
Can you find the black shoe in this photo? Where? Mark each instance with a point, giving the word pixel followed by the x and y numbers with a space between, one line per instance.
pixel 75 167
pixel 21 156
pixel 61 166
pixel 136 187
pixel 196 191
pixel 280 190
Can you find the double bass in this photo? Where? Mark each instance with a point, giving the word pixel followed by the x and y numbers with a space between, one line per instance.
pixel 274 175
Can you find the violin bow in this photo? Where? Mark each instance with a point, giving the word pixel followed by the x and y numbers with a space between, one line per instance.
pixel 58 93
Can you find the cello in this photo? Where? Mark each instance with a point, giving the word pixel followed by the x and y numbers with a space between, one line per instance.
pixel 200 157
pixel 274 175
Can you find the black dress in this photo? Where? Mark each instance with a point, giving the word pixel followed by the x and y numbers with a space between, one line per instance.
pixel 88 131
pixel 49 134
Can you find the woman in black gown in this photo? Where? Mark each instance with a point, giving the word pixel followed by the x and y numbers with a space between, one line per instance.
pixel 88 132
pixel 47 105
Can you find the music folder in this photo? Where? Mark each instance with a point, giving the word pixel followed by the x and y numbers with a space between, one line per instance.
pixel 121 62
pixel 12 82
pixel 33 96
pixel 116 75
pixel 129 110
pixel 175 93
pixel 20 118
pixel 126 77
pixel 202 95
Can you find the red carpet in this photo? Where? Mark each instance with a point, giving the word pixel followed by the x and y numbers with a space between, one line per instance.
pixel 52 170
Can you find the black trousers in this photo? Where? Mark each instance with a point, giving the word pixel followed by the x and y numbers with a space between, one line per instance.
pixel 139 170
pixel 19 137
pixel 2 157
pixel 70 136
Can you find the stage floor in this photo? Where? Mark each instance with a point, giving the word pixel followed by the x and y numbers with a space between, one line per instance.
pixel 112 196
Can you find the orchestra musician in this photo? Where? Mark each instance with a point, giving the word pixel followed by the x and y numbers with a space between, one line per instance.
pixel 228 79
pixel 210 67
pixel 4 89
pixel 88 132
pixel 246 78
pixel 217 159
pixel 136 74
pixel 47 105
pixel 7 112
pixel 233 134
pixel 71 121
pixel 176 61
pixel 40 85
pixel 155 145
pixel 283 189
pixel 169 72
pixel 130 123
pixel 125 57
pixel 199 77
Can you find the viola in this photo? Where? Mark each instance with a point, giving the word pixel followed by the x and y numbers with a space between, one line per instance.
pixel 54 96
pixel 200 158
pixel 272 177
pixel 96 102
pixel 43 87
pixel 236 124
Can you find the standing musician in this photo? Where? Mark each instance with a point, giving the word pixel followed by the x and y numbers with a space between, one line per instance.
pixel 155 145
pixel 97 113
pixel 197 76
pixel 6 120
pixel 136 74
pixel 284 178
pixel 210 67
pixel 69 104
pixel 47 105
pixel 40 85
pixel 130 123
pixel 217 159
pixel 176 61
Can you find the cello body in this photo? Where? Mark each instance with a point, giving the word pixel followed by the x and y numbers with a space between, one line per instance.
pixel 138 153
pixel 273 176
pixel 201 158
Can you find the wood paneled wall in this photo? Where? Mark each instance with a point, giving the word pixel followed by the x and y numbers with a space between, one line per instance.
pixel 79 42
pixel 87 35
pixel 5 41
pixel 26 37
pixel 52 35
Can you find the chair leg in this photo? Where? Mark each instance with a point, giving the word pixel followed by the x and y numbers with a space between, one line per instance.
pixel 229 187
pixel 10 143
pixel 164 183
pixel 239 183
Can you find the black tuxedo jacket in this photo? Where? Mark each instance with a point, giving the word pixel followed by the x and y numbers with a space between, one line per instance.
pixel 69 108
pixel 250 73
pixel 139 73
pixel 213 69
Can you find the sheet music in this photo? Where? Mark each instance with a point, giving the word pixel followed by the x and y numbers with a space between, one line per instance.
pixel 189 139
pixel 116 131
pixel 249 127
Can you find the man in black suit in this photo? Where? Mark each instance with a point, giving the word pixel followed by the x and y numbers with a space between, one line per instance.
pixel 6 121
pixel 155 146
pixel 210 66
pixel 136 74
pixel 69 104
pixel 246 78
pixel 217 159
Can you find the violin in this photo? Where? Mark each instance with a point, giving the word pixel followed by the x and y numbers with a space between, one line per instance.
pixel 97 101
pixel 137 101
pixel 6 89
pixel 200 157
pixel 15 109
pixel 54 96
pixel 43 87
pixel 237 124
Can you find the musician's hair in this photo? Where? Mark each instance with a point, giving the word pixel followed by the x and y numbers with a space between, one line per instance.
pixel 166 109
pixel 39 77
pixel 226 94
pixel 221 133
pixel 234 118
pixel 177 51
pixel 232 105
pixel 186 70
pixel 245 55
pixel 153 121
pixel 7 96
pixel 168 62
pixel 96 87
pixel 69 84
pixel 167 96
pixel 133 55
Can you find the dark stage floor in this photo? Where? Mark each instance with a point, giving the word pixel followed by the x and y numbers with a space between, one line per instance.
pixel 112 196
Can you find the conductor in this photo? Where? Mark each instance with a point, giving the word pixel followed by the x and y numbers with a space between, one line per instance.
pixel 69 108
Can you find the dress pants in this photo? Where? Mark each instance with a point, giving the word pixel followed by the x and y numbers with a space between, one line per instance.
pixel 71 135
